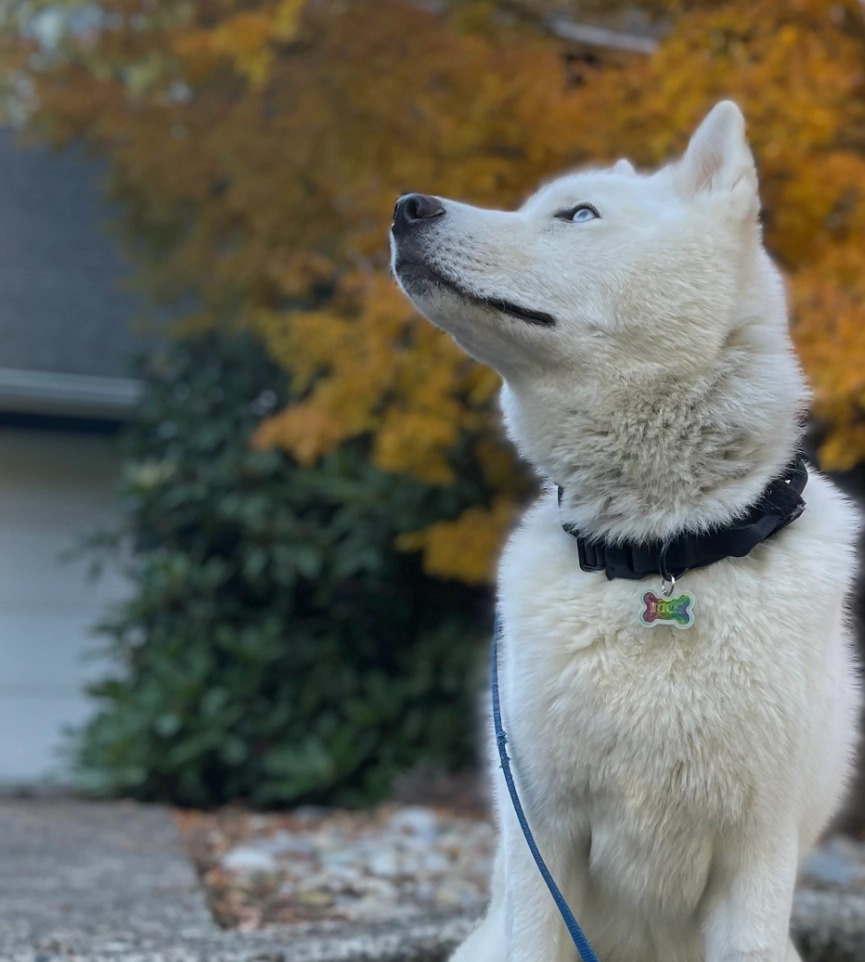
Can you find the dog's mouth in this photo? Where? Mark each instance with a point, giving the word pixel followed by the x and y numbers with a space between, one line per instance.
pixel 411 272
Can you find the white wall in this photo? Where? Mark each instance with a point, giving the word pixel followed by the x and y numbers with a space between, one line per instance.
pixel 53 487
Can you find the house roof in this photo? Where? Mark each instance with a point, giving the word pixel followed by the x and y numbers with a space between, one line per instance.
pixel 67 326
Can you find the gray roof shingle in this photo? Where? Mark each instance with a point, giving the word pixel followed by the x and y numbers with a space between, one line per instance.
pixel 62 305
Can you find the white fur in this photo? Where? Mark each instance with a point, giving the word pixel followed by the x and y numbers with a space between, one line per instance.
pixel 674 779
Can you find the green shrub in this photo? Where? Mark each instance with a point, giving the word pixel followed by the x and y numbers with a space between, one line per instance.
pixel 275 647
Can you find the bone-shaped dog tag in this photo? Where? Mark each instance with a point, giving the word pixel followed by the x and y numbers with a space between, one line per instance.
pixel 657 610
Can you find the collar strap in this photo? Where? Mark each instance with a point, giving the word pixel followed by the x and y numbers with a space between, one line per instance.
pixel 780 503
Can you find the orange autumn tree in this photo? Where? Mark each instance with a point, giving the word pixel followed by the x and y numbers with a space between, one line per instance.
pixel 258 147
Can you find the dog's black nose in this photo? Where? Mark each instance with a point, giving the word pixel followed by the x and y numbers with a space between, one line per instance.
pixel 414 209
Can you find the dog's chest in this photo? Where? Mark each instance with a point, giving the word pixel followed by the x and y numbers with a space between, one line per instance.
pixel 650 746
pixel 655 719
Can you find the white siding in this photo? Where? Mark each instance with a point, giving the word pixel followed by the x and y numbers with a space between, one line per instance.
pixel 53 487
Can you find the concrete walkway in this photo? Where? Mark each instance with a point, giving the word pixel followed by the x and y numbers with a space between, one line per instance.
pixel 108 883
pixel 84 882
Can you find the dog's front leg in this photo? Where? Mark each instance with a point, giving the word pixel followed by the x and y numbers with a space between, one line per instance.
pixel 750 920
pixel 534 928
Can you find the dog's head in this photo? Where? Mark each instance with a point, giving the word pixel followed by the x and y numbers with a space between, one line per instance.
pixel 617 294
pixel 600 266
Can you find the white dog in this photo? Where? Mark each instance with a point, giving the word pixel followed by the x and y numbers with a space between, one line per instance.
pixel 673 779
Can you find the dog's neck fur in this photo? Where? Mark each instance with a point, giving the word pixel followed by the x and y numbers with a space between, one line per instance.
pixel 646 458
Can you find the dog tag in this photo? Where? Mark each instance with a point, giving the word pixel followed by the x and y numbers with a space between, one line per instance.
pixel 655 609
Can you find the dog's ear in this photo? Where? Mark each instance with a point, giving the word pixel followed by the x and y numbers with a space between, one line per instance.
pixel 623 167
pixel 719 160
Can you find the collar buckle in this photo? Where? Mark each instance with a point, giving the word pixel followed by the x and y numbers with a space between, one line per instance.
pixel 592 555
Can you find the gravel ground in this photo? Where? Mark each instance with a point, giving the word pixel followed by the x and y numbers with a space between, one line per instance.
pixel 310 865
pixel 838 865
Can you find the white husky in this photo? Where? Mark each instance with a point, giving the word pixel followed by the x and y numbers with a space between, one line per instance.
pixel 673 779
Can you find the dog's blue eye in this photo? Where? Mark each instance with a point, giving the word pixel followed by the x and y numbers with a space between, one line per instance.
pixel 579 214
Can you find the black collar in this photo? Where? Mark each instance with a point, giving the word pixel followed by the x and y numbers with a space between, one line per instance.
pixel 780 503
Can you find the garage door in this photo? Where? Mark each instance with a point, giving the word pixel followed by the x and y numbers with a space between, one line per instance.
pixel 54 486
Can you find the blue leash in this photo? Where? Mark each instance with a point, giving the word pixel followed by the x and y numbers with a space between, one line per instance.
pixel 587 953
